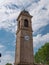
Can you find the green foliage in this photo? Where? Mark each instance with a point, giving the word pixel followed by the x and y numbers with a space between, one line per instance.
pixel 42 56
pixel 8 64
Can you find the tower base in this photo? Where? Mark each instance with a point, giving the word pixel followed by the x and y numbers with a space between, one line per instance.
pixel 29 64
pixel 24 64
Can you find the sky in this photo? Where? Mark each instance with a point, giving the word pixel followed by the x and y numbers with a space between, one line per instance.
pixel 9 11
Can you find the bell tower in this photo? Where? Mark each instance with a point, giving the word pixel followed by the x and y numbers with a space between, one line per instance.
pixel 24 40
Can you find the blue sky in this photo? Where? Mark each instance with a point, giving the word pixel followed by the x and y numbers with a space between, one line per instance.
pixel 9 11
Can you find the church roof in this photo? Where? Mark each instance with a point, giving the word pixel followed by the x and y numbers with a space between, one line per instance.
pixel 24 12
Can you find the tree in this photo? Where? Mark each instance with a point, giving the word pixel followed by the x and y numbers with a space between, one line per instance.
pixel 8 64
pixel 42 56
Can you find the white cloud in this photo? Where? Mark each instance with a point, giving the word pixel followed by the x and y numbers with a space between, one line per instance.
pixel 7 16
pixel 40 16
pixel 7 22
pixel 10 52
pixel 38 20
pixel 1 46
pixel 7 59
pixel 2 49
pixel 40 40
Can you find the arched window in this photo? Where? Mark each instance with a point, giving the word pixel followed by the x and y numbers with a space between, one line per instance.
pixel 25 23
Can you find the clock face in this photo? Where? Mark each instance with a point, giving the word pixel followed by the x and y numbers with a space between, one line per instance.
pixel 26 37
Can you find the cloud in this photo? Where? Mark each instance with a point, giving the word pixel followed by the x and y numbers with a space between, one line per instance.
pixel 10 11
pixel 40 16
pixel 1 46
pixel 7 59
pixel 8 15
pixel 7 56
pixel 8 22
pixel 40 40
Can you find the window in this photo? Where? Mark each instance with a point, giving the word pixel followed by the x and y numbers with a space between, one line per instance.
pixel 26 23
pixel 19 23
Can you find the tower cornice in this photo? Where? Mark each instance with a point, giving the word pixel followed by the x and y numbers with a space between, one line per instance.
pixel 24 13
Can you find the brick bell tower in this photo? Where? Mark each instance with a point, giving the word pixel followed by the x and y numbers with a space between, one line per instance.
pixel 24 40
